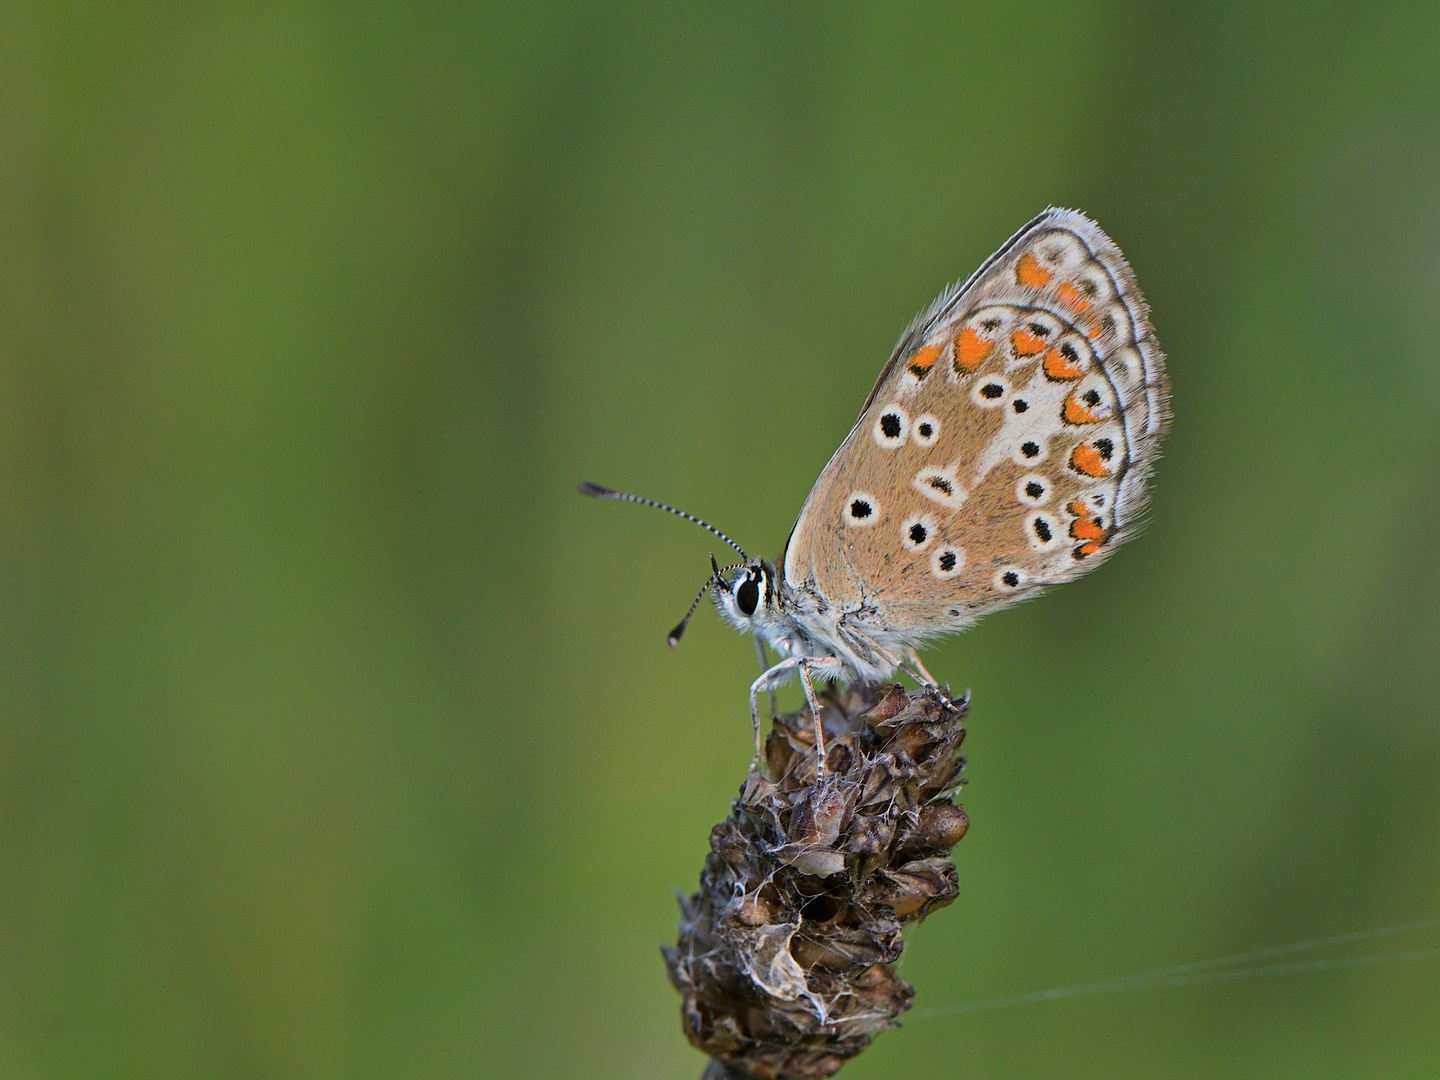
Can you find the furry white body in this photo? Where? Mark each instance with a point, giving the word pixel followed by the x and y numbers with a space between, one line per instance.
pixel 799 625
pixel 812 637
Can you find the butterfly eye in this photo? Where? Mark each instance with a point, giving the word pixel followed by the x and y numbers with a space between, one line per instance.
pixel 747 596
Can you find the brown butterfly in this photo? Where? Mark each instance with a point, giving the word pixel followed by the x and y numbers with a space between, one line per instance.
pixel 1005 447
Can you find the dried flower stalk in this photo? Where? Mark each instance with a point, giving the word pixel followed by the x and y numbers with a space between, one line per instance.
pixel 786 957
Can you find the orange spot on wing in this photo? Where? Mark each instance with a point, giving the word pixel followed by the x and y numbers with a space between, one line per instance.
pixel 1026 343
pixel 1057 367
pixel 1086 527
pixel 1086 459
pixel 1029 273
pixel 924 360
pixel 1075 413
pixel 1073 298
pixel 971 350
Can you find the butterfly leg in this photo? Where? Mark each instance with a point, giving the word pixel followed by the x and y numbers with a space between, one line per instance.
pixel 807 665
pixel 765 666
pixel 768 680
pixel 920 666
pixel 917 671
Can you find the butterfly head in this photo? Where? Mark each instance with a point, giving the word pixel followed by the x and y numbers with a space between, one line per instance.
pixel 744 593
pixel 746 596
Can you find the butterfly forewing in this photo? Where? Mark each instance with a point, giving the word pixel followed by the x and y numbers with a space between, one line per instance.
pixel 1005 447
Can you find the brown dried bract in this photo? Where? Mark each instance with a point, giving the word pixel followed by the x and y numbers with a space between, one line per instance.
pixel 786 958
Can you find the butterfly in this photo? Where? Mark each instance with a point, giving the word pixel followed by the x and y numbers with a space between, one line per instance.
pixel 1007 446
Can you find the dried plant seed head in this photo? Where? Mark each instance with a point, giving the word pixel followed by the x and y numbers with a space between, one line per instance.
pixel 786 955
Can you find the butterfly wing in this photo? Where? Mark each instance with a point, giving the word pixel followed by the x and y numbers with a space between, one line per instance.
pixel 1005 447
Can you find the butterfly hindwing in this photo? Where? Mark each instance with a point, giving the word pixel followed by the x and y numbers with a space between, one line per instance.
pixel 1005 447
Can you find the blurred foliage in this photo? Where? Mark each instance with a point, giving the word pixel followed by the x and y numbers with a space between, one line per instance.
pixel 335 729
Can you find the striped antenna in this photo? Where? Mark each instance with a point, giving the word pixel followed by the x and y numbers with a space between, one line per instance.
pixel 714 579
pixel 595 491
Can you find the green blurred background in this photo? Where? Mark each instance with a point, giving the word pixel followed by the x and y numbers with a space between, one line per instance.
pixel 338 736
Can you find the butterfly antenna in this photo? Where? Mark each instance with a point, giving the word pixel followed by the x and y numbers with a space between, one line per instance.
pixel 595 491
pixel 714 579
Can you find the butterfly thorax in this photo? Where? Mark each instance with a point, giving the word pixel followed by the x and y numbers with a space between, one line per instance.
pixel 800 622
